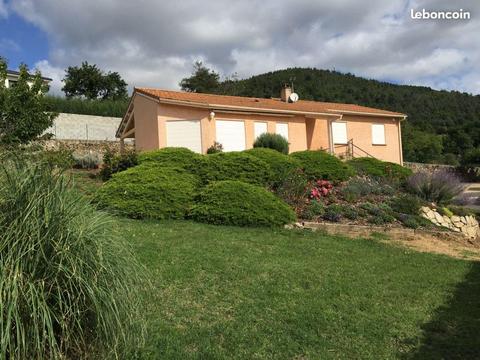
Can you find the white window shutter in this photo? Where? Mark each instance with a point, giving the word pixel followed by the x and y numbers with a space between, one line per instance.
pixel 378 134
pixel 282 129
pixel 339 132
pixel 259 128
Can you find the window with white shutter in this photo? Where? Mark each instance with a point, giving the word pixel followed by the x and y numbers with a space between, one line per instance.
pixel 378 134
pixel 339 132
pixel 259 128
pixel 282 129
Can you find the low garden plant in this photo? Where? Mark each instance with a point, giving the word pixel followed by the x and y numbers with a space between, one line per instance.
pixel 294 190
pixel 149 191
pixel 272 141
pixel 114 162
pixel 238 203
pixel 319 164
pixel 67 282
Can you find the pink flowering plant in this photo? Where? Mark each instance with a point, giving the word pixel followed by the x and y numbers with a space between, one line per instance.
pixel 320 189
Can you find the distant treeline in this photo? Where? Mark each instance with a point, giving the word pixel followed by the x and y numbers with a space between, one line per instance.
pixel 115 108
pixel 441 125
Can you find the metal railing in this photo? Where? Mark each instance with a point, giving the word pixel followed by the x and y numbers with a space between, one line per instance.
pixel 351 151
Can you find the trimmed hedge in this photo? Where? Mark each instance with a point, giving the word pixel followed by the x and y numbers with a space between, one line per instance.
pixel 238 203
pixel 281 165
pixel 149 191
pixel 318 164
pixel 377 168
pixel 171 156
pixel 235 166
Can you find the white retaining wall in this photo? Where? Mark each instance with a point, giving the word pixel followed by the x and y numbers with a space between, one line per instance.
pixel 84 127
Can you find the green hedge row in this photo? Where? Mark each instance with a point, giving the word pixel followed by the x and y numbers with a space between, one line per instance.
pixel 222 188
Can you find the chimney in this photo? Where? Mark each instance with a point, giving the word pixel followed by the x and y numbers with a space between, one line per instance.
pixel 285 93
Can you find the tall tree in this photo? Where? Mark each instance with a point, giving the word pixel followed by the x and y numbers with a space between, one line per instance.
pixel 202 80
pixel 23 109
pixel 92 83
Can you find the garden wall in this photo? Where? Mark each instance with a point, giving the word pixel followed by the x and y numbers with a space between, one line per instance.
pixel 416 167
pixel 84 127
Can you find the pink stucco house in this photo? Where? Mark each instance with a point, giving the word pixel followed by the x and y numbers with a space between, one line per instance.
pixel 158 118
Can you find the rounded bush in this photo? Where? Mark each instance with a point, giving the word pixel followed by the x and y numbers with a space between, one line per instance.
pixel 377 168
pixel 238 203
pixel 281 165
pixel 235 166
pixel 171 156
pixel 149 191
pixel 320 165
pixel 272 141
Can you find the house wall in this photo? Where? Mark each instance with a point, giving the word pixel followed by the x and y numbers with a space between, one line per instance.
pixel 359 128
pixel 318 134
pixel 146 124
pixel 166 112
pixel 304 133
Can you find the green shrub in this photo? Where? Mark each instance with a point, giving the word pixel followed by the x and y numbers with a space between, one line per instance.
pixel 235 166
pixel 171 156
pixel 87 161
pixel 114 162
pixel 321 165
pixel 272 141
pixel 463 211
pixel 60 158
pixel 281 165
pixel 313 210
pixel 67 282
pixel 413 221
pixel 377 168
pixel 381 218
pixel 406 204
pixel 238 203
pixel 359 187
pixel 294 190
pixel 215 148
pixel 333 213
pixel 350 212
pixel 149 191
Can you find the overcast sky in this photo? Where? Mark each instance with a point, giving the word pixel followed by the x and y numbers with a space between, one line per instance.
pixel 154 43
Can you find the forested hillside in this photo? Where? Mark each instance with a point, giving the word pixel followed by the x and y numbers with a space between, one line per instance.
pixel 441 125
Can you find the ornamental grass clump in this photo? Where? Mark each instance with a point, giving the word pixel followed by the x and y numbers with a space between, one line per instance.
pixel 439 187
pixel 66 283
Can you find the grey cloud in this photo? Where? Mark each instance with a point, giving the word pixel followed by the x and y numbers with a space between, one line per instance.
pixel 154 42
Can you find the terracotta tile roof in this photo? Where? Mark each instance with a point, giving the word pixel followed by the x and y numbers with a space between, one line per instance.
pixel 212 100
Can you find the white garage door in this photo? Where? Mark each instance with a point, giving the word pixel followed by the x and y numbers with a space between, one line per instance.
pixel 185 133
pixel 231 134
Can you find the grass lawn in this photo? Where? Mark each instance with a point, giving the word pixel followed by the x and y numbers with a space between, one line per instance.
pixel 225 292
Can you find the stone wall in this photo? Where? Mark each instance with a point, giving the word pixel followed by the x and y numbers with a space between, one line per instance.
pixel 416 167
pixel 467 225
